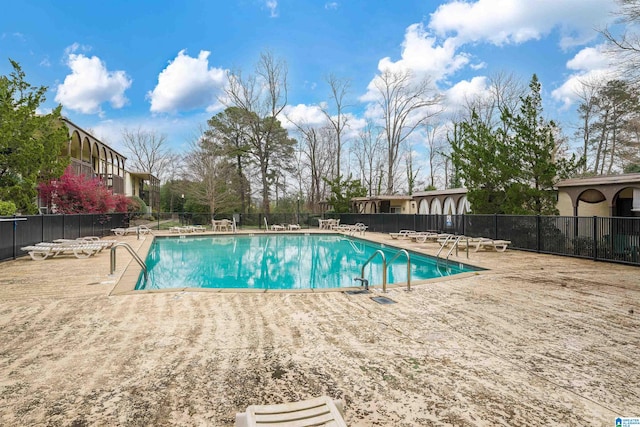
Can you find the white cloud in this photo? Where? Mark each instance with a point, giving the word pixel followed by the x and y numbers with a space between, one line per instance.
pixel 516 21
pixel 90 84
pixel 591 65
pixel 464 91
pixel 272 5
pixel 332 5
pixel 75 47
pixel 301 114
pixel 590 58
pixel 187 84
pixel 423 56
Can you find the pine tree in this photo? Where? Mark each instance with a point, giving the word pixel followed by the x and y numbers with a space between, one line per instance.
pixel 512 169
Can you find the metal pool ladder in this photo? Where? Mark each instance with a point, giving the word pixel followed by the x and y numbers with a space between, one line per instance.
pixel 384 268
pixel 133 254
pixel 455 246
pixel 406 253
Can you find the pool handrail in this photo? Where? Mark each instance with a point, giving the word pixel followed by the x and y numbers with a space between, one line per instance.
pixel 406 253
pixel 133 254
pixel 384 268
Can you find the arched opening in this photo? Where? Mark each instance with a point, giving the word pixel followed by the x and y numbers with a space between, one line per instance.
pixel 623 202
pixel 449 206
pixel 463 205
pixel 595 203
pixel 436 207
pixel 423 207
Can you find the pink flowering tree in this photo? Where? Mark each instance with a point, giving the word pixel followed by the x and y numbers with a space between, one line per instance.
pixel 72 194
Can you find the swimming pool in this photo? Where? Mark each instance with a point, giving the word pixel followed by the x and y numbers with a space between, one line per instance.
pixel 278 261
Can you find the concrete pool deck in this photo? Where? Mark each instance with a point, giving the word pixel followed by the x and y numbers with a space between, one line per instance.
pixel 535 340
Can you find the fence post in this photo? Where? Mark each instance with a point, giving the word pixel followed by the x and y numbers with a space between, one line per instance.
pixel 15 226
pixel 464 225
pixel 595 242
pixel 538 233
pixel 495 226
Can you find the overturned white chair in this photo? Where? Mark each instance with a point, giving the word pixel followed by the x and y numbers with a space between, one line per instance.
pixel 319 411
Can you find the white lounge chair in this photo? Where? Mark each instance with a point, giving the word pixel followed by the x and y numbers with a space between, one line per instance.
pixel 90 240
pixel 313 412
pixel 358 228
pixel 428 236
pixel 402 234
pixel 493 245
pixel 477 243
pixel 43 250
pixel 142 229
pixel 462 241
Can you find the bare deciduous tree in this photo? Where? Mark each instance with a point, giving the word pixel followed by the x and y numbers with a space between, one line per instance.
pixel 588 95
pixel 368 151
pixel 503 94
pixel 339 89
pixel 210 171
pixel 405 105
pixel 264 96
pixel 149 151
pixel 435 146
pixel 317 148
pixel 624 49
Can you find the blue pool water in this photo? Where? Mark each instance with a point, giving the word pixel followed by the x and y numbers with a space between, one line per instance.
pixel 278 261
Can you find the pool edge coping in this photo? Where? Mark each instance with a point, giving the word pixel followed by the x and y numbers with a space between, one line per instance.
pixel 126 283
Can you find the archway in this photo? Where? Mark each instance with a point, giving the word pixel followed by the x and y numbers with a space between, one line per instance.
pixel 423 207
pixel 449 206
pixel 436 207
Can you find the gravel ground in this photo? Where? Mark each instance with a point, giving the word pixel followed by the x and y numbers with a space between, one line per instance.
pixel 536 340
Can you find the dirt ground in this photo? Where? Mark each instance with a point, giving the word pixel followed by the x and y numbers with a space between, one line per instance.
pixel 536 340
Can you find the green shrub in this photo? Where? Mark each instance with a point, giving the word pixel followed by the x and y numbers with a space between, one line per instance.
pixel 139 205
pixel 7 208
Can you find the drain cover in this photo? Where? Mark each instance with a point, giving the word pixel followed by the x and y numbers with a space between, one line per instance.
pixel 362 291
pixel 383 300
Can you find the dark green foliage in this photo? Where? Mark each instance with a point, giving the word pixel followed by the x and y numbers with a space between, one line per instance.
pixel 632 168
pixel 137 205
pixel 246 140
pixel 31 145
pixel 343 191
pixel 512 169
pixel 7 208
pixel 230 129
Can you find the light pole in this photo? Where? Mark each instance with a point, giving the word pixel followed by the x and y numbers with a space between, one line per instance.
pixel 182 209
pixel 298 221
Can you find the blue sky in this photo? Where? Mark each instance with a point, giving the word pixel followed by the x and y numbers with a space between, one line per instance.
pixel 160 64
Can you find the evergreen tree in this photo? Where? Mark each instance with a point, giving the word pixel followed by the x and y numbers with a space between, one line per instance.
pixel 482 161
pixel 513 168
pixel 231 129
pixel 31 144
pixel 342 191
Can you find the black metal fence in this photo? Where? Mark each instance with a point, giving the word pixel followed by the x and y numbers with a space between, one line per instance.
pixel 612 239
pixel 17 232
